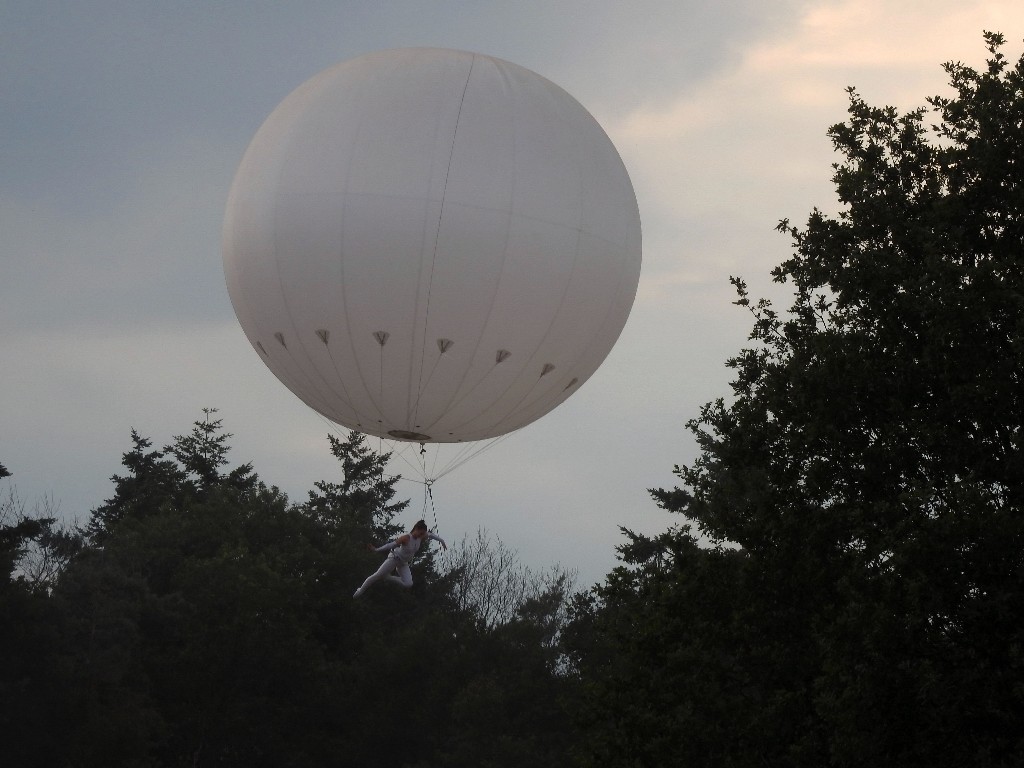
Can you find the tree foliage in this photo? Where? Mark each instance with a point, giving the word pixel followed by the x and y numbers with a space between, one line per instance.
pixel 201 618
pixel 490 583
pixel 863 486
pixel 365 495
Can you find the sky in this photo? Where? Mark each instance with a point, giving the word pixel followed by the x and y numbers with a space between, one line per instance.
pixel 122 123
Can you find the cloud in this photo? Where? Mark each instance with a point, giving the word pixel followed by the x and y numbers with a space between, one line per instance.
pixel 748 146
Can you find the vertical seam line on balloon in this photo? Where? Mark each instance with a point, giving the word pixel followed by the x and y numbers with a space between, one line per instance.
pixel 456 398
pixel 325 403
pixel 437 235
pixel 519 408
pixel 622 287
pixel 358 362
pixel 344 395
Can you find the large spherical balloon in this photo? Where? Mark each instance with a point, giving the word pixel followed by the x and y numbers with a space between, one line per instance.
pixel 431 245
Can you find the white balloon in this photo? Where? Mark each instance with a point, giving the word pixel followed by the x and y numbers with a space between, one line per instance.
pixel 431 245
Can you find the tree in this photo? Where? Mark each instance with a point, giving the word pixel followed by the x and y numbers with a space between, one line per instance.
pixel 153 480
pixel 34 547
pixel 364 497
pixel 207 620
pixel 193 629
pixel 675 663
pixel 867 471
pixel 33 555
pixel 188 468
pixel 490 582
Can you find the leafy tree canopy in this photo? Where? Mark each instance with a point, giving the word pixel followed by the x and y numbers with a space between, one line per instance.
pixel 203 619
pixel 863 485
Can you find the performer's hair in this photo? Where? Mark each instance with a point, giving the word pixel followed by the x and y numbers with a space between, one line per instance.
pixel 420 525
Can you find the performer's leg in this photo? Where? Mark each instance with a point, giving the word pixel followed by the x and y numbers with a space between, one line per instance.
pixel 404 577
pixel 385 568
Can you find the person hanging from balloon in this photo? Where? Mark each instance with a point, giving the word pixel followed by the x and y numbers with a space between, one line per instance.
pixel 400 551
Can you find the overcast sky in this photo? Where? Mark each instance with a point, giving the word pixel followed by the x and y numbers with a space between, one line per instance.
pixel 122 124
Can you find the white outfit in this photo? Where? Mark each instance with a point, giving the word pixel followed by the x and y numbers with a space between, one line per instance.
pixel 398 561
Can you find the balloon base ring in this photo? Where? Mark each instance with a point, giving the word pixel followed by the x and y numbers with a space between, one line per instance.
pixel 415 437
